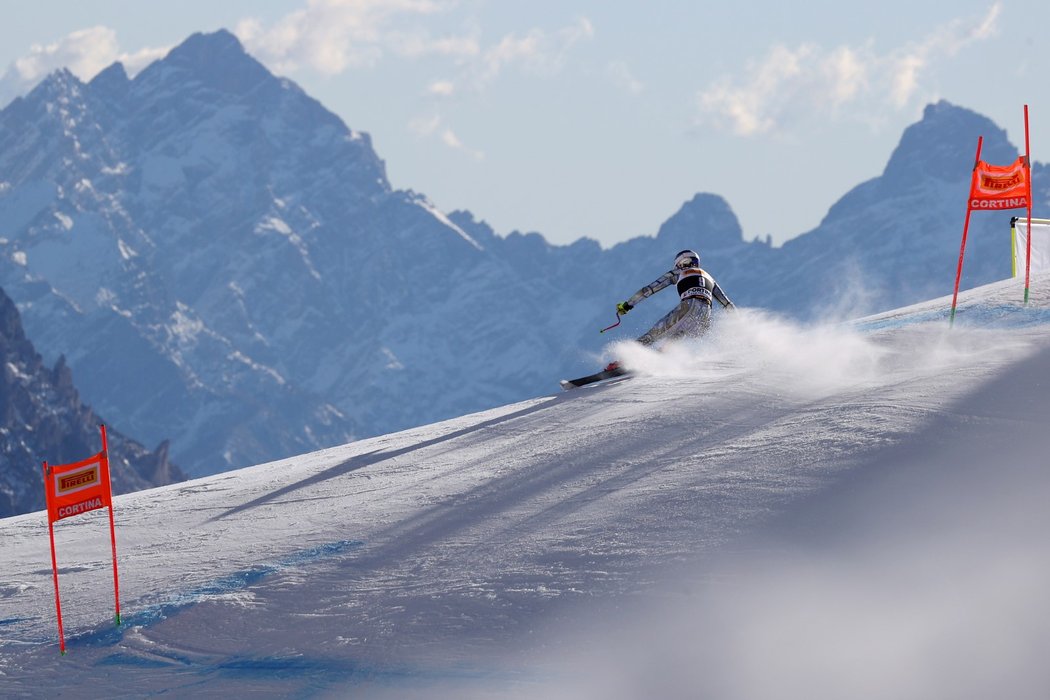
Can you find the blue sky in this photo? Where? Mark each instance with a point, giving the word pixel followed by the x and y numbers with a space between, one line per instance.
pixel 587 118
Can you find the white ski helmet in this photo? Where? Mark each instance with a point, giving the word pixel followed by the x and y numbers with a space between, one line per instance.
pixel 686 259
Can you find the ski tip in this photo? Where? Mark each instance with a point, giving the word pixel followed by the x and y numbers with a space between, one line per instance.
pixel 596 378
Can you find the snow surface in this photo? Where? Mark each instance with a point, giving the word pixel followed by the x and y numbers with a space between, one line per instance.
pixel 781 511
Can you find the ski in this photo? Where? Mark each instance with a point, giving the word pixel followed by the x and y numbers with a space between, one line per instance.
pixel 592 378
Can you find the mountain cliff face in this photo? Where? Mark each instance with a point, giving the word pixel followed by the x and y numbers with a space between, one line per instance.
pixel 222 261
pixel 42 418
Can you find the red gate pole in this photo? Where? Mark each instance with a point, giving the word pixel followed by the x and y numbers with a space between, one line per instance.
pixel 54 566
pixel 966 228
pixel 112 527
pixel 1028 167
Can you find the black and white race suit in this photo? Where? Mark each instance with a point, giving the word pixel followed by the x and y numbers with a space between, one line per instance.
pixel 691 318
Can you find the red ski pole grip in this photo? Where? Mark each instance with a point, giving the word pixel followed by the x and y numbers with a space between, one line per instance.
pixel 609 328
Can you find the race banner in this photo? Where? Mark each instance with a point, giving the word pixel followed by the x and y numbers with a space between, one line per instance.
pixel 72 489
pixel 995 187
pixel 77 488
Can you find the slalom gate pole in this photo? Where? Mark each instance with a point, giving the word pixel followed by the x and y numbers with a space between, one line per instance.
pixel 958 271
pixel 609 328
pixel 112 527
pixel 962 247
pixel 54 571
pixel 1028 167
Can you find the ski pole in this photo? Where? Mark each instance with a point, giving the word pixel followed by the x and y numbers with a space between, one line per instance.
pixel 613 325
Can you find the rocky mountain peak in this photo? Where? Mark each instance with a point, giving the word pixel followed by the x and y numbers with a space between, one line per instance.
pixel 112 80
pixel 943 143
pixel 216 60
pixel 13 342
pixel 704 222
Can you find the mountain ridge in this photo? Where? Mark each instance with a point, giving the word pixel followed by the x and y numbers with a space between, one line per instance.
pixel 224 262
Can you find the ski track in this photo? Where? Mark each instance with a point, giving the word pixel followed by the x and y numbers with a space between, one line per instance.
pixel 427 556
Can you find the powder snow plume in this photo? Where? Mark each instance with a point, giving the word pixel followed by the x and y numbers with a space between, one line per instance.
pixel 809 360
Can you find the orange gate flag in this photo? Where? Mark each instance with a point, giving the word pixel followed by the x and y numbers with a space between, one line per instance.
pixel 72 489
pixel 77 488
pixel 1001 186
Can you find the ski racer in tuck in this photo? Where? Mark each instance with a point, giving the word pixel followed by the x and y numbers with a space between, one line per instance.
pixel 696 288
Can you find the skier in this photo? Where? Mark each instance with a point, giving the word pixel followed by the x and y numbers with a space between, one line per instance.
pixel 696 289
pixel 692 316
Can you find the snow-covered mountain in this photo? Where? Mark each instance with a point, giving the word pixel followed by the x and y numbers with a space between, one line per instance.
pixel 224 263
pixel 785 510
pixel 42 418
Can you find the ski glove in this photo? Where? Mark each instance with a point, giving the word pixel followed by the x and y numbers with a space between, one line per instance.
pixel 623 307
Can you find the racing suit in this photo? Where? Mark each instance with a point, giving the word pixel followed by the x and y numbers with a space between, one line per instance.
pixel 691 318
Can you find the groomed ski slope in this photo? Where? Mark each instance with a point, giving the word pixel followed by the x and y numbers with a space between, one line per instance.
pixel 830 510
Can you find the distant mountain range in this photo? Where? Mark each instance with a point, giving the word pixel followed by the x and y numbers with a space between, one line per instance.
pixel 223 262
pixel 42 418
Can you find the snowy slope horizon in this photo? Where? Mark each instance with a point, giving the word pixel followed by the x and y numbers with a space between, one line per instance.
pixel 225 264
pixel 785 510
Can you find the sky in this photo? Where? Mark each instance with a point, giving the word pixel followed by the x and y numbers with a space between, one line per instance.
pixel 863 520
pixel 579 118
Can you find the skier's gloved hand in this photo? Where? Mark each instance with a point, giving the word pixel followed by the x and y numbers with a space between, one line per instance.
pixel 623 307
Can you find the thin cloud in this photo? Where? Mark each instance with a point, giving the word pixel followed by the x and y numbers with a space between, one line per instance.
pixel 331 36
pixel 441 88
pixel 425 126
pixel 792 82
pixel 537 51
pixel 420 44
pixel 774 85
pixel 85 52
pixel 450 139
pixel 947 41
pixel 433 125
pixel 846 75
pixel 621 76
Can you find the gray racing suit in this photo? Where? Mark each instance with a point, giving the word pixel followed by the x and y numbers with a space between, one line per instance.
pixel 691 318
